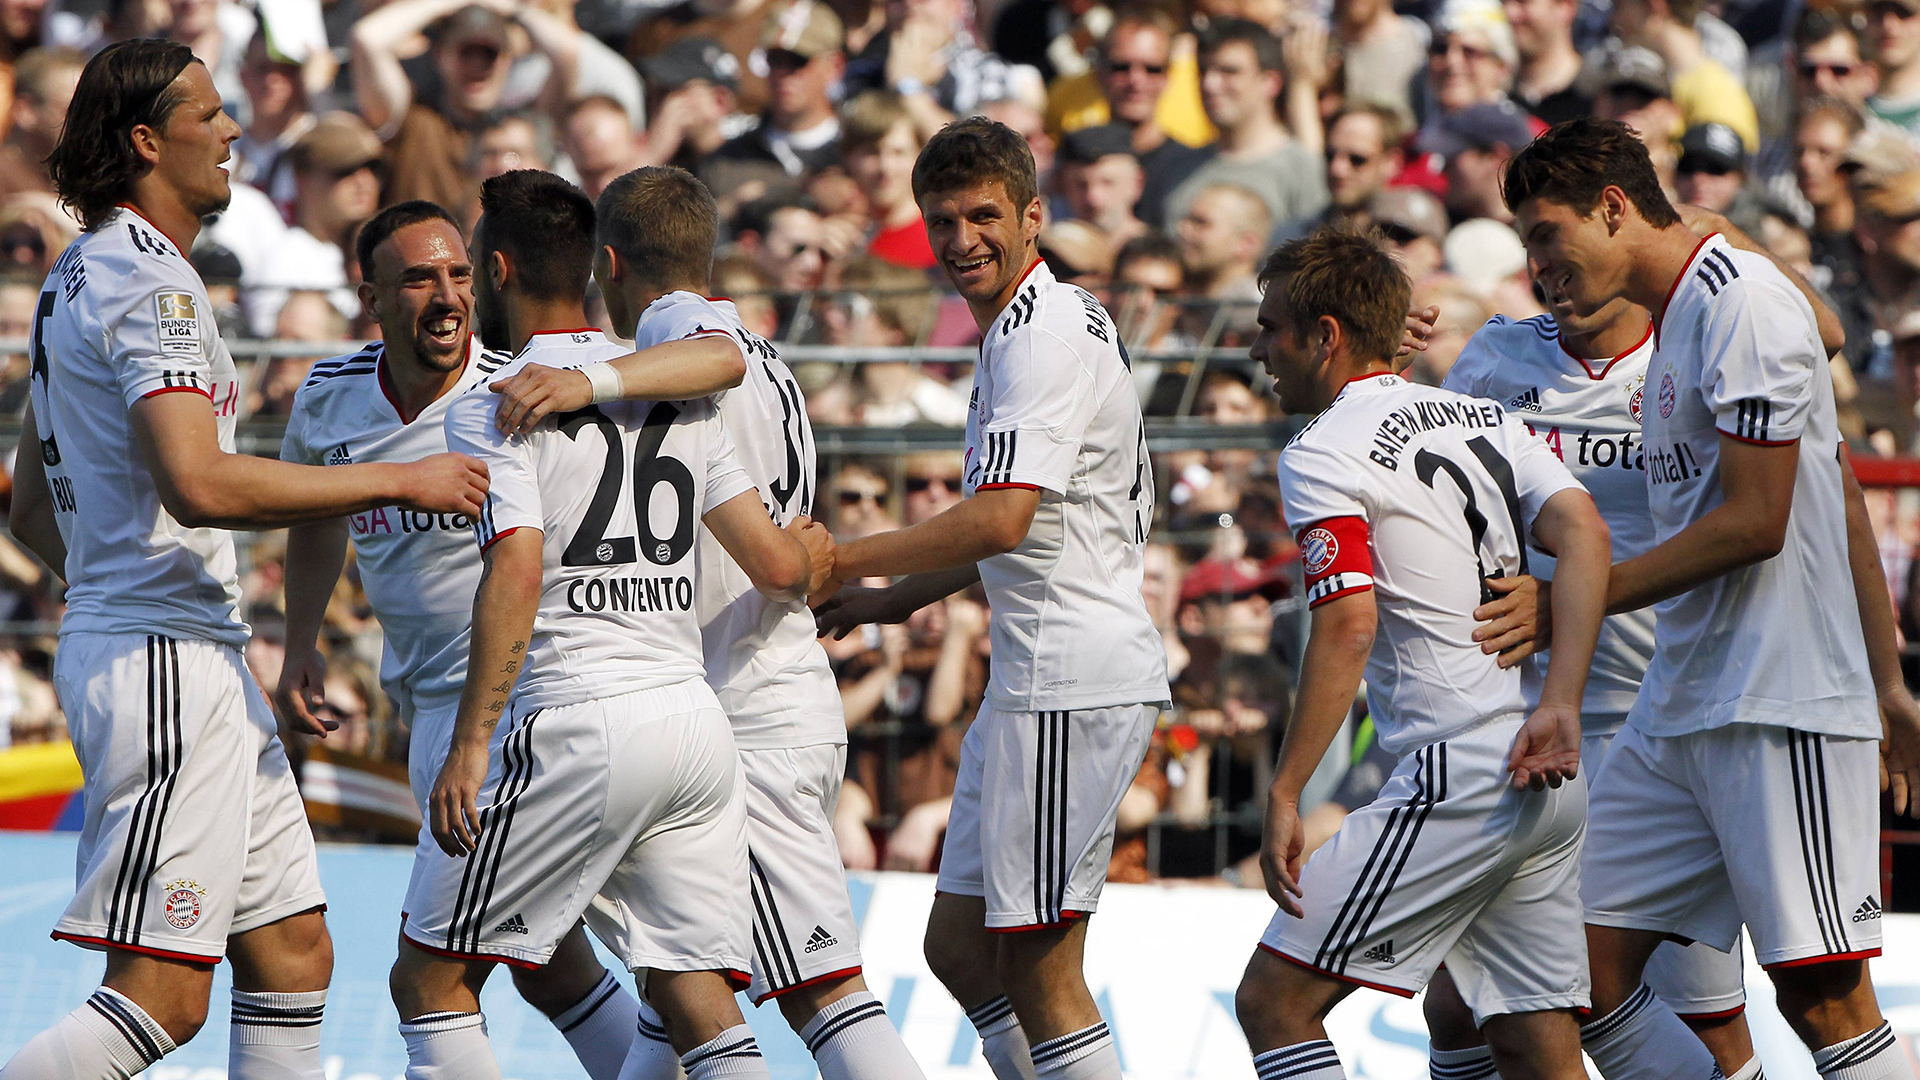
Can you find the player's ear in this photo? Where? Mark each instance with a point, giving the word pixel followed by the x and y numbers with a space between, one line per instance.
pixel 369 300
pixel 1613 208
pixel 607 265
pixel 1032 219
pixel 146 142
pixel 499 267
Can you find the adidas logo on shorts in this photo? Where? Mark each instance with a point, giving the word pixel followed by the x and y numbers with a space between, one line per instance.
pixel 1381 953
pixel 819 939
pixel 514 925
pixel 1868 909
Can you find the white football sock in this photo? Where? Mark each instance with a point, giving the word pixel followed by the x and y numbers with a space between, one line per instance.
pixel 449 1046
pixel 730 1053
pixel 651 1056
pixel 1087 1054
pixel 852 1039
pixel 1644 1040
pixel 1749 1071
pixel 276 1036
pixel 1002 1042
pixel 600 1027
pixel 1473 1063
pixel 1873 1056
pixel 108 1038
pixel 1314 1060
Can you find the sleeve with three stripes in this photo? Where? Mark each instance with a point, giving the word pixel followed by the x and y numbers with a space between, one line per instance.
pixel 1760 360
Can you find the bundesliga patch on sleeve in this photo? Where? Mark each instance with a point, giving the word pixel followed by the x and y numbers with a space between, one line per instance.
pixel 179 321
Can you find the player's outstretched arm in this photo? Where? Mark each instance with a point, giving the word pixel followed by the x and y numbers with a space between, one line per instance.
pixel 852 606
pixel 1546 751
pixel 779 562
pixel 31 517
pixel 1899 716
pixel 203 486
pixel 670 371
pixel 1749 526
pixel 980 526
pixel 1330 670
pixel 316 552
pixel 503 611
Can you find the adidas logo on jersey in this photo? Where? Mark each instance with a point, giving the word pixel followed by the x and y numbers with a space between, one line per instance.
pixel 339 456
pixel 1381 953
pixel 1868 909
pixel 1528 401
pixel 514 925
pixel 820 939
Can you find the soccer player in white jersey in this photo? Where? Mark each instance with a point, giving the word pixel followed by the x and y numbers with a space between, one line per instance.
pixel 615 774
pixel 1741 789
pixel 1405 500
pixel 657 229
pixel 195 845
pixel 388 403
pixel 1059 496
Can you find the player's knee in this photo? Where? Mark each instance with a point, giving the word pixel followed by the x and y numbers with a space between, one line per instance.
pixel 950 959
pixel 181 1016
pixel 1255 1004
pixel 1819 999
pixel 556 987
pixel 1450 1022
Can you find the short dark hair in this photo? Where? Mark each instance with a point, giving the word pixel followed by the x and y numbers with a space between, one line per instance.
pixel 973 150
pixel 756 216
pixel 1815 26
pixel 545 225
pixel 1266 47
pixel 126 85
pixel 391 220
pixel 662 220
pixel 1577 160
pixel 1152 246
pixel 1349 276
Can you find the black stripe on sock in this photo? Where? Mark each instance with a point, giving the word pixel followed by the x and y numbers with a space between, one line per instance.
pixel 859 1014
pixel 990 1012
pixel 609 987
pixel 128 1025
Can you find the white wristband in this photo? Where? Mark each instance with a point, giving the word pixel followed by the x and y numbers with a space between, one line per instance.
pixel 605 380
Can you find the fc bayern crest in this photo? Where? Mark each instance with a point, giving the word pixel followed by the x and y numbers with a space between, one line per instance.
pixel 1667 395
pixel 1318 549
pixel 183 903
pixel 1636 396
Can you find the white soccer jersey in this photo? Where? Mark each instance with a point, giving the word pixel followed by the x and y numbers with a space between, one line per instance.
pixel 764 659
pixel 122 317
pixel 420 570
pixel 1588 414
pixel 618 491
pixel 1778 642
pixel 1419 494
pixel 1054 409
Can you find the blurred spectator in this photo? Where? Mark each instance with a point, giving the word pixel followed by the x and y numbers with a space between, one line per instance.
pixel 1223 236
pixel 1132 72
pixel 1887 198
pixel 1414 225
pixel 1895 29
pixel 1147 276
pixel 220 270
pixel 857 501
pixel 218 32
pixel 600 143
pixel 691 86
pixel 431 129
pixel 1634 89
pixel 305 316
pixel 1825 131
pixel 1078 254
pixel 1827 59
pixel 930 483
pixel 1712 173
pixel 1472 58
pixel 927 53
pixel 1025 119
pixel 34 230
pixel 798 133
pixel 278 113
pixel 21 24
pixel 1462 313
pixel 1703 88
pixel 1363 155
pixel 1547 82
pixel 507 141
pixel 336 168
pixel 786 239
pixel 1488 256
pixel 879 144
pixel 19 297
pixel 738 277
pixel 1101 181
pixel 44 82
pixel 1383 53
pixel 1476 143
pixel 889 306
pixel 1241 78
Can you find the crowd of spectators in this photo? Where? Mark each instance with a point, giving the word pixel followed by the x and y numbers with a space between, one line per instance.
pixel 1177 141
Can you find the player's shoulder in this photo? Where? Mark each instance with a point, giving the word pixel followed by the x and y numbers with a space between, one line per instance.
pixel 685 314
pixel 1047 314
pixel 124 260
pixel 340 374
pixel 1505 352
pixel 1722 279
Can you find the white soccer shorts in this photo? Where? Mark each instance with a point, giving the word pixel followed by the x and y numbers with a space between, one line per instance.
pixel 1031 830
pixel 803 928
pixel 1778 829
pixel 1697 981
pixel 194 830
pixel 633 797
pixel 1449 863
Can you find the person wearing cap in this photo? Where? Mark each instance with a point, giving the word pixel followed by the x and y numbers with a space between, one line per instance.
pixel 1546 82
pixel 1630 85
pixel 336 168
pixel 1363 154
pixel 278 113
pixel 431 130
pixel 1242 76
pixel 692 92
pixel 1704 89
pixel 1885 177
pixel 1712 172
pixel 1101 181
pixel 1476 142
pixel 798 133
pixel 1471 59
pixel 1414 226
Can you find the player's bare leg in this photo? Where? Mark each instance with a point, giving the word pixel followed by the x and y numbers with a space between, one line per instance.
pixel 144 1008
pixel 1633 1035
pixel 960 954
pixel 1729 1041
pixel 1832 1008
pixel 439 1003
pixel 704 1024
pixel 1282 1008
pixel 1535 1045
pixel 1457 1050
pixel 847 1031
pixel 594 1012
pixel 280 976
pixel 1043 971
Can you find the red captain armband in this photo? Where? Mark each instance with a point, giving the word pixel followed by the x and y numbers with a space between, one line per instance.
pixel 1337 559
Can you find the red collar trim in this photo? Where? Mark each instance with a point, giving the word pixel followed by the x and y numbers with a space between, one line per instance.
pixel 135 211
pixel 1675 287
pixel 1364 378
pixel 393 399
pixel 1028 272
pixel 720 299
pixel 1596 376
pixel 574 330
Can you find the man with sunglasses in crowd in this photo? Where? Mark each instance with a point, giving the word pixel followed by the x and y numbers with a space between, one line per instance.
pixel 799 133
pixel 1363 154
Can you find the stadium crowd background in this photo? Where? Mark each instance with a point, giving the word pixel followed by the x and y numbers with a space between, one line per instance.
pixel 1176 143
